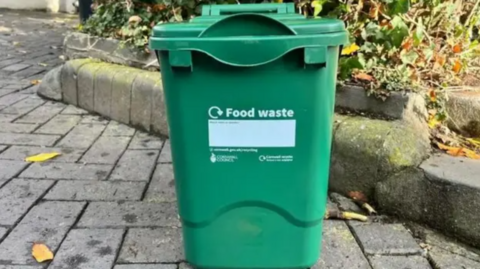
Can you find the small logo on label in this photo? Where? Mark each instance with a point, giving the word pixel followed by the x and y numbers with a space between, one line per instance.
pixel 213 158
pixel 261 158
pixel 214 112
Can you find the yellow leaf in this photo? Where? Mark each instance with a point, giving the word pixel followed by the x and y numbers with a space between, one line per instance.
pixel 35 82
pixel 350 49
pixel 278 1
pixel 474 141
pixel 41 253
pixel 43 64
pixel 433 122
pixel 42 157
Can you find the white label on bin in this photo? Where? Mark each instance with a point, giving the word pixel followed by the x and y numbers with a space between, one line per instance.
pixel 252 133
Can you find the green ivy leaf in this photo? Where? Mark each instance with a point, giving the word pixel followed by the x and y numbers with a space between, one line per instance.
pixel 419 33
pixel 409 57
pixel 398 7
pixel 347 65
pixel 399 31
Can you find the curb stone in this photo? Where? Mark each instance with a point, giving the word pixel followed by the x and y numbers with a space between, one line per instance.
pixel 443 193
pixel 50 87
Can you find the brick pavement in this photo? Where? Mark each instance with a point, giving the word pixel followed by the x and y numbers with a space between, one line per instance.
pixel 108 201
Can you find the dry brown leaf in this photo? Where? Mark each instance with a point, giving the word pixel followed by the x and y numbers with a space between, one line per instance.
pixel 408 44
pixel 41 253
pixel 337 214
pixel 433 95
pixel 357 196
pixel 134 19
pixel 363 76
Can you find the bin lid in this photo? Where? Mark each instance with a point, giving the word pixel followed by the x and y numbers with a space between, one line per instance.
pixel 257 33
pixel 284 13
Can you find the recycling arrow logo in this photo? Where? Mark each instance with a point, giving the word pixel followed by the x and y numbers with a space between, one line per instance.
pixel 214 112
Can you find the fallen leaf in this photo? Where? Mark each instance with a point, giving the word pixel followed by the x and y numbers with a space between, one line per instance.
pixel 457 66
pixel 42 157
pixel 440 60
pixel 457 48
pixel 433 95
pixel 354 216
pixel 373 12
pixel 16 43
pixel 471 154
pixel 134 19
pixel 425 246
pixel 43 64
pixel 408 44
pixel 357 196
pixel 474 141
pixel 350 49
pixel 363 76
pixel 433 122
pixel 41 253
pixel 35 81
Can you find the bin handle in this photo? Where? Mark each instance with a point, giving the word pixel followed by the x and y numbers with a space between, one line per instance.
pixel 216 10
pixel 255 40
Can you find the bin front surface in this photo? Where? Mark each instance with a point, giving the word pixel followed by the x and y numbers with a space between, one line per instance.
pixel 250 99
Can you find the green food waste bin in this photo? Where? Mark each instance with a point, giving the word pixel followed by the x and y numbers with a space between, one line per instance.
pixel 249 91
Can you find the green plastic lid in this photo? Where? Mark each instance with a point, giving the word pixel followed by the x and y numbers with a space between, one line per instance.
pixel 284 13
pixel 257 33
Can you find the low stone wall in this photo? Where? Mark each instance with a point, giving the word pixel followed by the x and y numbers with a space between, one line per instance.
pixel 79 46
pixel 125 94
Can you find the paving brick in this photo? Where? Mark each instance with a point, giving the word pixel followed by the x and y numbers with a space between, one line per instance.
pixel 20 267
pixel 19 153
pixel 9 169
pixel 339 248
pixel 73 110
pixel 25 73
pixel 5 63
pixel 30 90
pixel 184 265
pixel 118 129
pixel 24 106
pixel 67 171
pixel 42 114
pixel 441 259
pixel 166 153
pixel 15 67
pixel 28 139
pixel 162 186
pixel 144 266
pixel 45 223
pixel 96 191
pixel 159 245
pixel 129 214
pixel 92 119
pixel 135 165
pixel 8 117
pixel 121 94
pixel 3 232
pixel 106 150
pixel 10 99
pixel 385 239
pixel 85 85
pixel 4 92
pixel 143 140
pixel 18 196
pixel 8 127
pixel 82 136
pixel 88 249
pixel 60 124
pixel 400 262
